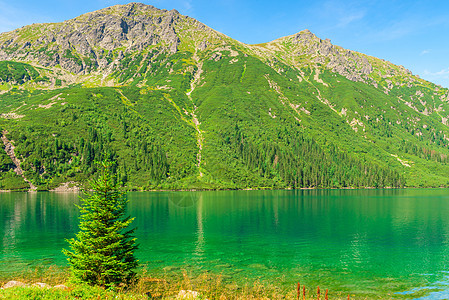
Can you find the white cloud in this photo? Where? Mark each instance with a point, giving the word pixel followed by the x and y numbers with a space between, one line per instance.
pixel 410 24
pixel 342 13
pixel 13 17
pixel 424 52
pixel 439 77
pixel 6 25
pixel 441 73
pixel 188 5
pixel 345 20
pixel 396 30
pixel 7 17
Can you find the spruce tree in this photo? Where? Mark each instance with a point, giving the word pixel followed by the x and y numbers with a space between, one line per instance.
pixel 103 250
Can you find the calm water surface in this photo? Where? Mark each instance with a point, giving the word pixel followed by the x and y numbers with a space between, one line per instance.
pixel 370 243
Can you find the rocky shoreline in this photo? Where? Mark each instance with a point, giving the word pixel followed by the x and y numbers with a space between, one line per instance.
pixel 66 187
pixel 70 186
pixel 182 294
pixel 14 283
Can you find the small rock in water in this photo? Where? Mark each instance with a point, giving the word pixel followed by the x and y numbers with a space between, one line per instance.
pixel 61 287
pixel 223 266
pixel 258 266
pixel 232 287
pixel 154 296
pixel 236 271
pixel 187 294
pixel 13 283
pixel 41 285
pixel 170 268
pixel 225 277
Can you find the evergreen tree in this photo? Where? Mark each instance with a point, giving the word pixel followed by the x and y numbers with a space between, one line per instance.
pixel 102 253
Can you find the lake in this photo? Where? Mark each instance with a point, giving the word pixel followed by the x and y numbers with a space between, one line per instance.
pixel 370 243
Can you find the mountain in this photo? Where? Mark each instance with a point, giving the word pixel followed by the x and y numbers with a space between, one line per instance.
pixel 182 106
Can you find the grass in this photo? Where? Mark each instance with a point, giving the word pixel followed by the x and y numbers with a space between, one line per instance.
pixel 146 124
pixel 165 286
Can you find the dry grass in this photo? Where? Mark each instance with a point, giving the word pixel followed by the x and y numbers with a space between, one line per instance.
pixel 165 286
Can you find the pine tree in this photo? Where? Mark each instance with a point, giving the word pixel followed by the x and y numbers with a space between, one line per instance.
pixel 102 252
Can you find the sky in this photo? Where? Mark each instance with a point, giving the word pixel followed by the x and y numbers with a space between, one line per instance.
pixel 412 33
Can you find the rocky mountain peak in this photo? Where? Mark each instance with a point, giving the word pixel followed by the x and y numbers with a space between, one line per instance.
pixel 87 42
pixel 126 10
pixel 305 34
pixel 99 41
pixel 305 48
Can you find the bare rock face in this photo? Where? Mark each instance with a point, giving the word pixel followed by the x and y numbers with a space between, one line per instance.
pixel 105 41
pixel 303 37
pixel 325 47
pixel 350 64
pixel 84 42
pixel 202 46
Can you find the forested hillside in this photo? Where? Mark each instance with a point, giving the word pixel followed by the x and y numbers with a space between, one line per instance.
pixel 181 106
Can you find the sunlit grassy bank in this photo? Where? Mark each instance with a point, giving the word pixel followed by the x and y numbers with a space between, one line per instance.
pixel 166 286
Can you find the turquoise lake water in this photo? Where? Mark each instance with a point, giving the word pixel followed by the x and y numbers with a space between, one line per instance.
pixel 369 243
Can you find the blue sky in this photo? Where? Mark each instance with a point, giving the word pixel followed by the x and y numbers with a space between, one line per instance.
pixel 412 33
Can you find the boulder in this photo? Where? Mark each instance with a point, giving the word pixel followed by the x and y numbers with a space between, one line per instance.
pixel 13 283
pixel 187 294
pixel 61 287
pixel 41 285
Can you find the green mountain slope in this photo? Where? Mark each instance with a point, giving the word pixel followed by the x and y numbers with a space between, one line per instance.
pixel 182 106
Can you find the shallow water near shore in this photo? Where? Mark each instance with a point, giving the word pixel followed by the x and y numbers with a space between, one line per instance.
pixel 367 243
